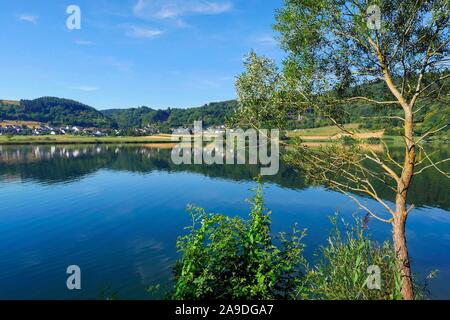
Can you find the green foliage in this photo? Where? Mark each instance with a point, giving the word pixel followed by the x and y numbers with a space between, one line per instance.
pixel 370 116
pixel 211 115
pixel 233 258
pixel 261 95
pixel 346 140
pixel 56 111
pixel 333 72
pixel 330 44
pixel 59 111
pixel 374 140
pixel 437 117
pixel 341 273
pixel 333 50
pixel 129 118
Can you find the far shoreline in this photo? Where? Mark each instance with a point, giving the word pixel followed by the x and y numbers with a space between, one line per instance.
pixel 68 139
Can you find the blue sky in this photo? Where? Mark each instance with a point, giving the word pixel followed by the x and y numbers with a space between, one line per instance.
pixel 159 53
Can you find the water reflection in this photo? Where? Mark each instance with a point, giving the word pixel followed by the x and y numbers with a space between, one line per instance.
pixel 120 220
pixel 63 164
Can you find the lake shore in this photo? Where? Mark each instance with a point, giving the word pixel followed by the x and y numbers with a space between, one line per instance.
pixel 71 139
pixel 167 138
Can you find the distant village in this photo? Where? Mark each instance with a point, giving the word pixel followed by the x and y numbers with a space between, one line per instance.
pixel 12 128
pixel 38 129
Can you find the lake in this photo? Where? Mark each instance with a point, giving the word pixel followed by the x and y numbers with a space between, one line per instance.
pixel 116 212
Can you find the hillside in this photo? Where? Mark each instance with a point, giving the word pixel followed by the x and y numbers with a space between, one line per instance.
pixel 211 114
pixel 376 117
pixel 55 111
pixel 58 111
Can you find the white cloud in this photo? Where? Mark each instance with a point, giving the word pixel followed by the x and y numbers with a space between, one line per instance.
pixel 167 12
pixel 205 7
pixel 140 32
pixel 165 9
pixel 81 42
pixel 120 65
pixel 265 40
pixel 86 88
pixel 28 18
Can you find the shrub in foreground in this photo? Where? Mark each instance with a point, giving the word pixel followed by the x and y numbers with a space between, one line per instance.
pixel 234 258
pixel 346 262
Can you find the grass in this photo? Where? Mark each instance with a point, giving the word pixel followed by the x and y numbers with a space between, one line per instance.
pixel 333 132
pixel 314 135
pixel 324 131
pixel 71 139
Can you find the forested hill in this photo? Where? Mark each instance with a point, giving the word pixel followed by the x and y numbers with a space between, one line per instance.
pixel 430 114
pixel 59 111
pixel 368 115
pixel 211 114
pixel 55 111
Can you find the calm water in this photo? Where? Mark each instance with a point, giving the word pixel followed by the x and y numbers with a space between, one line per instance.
pixel 116 212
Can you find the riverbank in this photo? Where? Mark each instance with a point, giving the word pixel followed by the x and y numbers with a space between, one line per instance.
pixel 72 139
pixel 167 138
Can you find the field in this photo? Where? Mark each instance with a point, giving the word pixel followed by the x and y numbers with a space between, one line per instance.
pixel 333 133
pixel 29 124
pixel 311 136
pixel 10 102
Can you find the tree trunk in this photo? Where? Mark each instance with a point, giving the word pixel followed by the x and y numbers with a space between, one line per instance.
pixel 404 181
pixel 401 250
pixel 401 212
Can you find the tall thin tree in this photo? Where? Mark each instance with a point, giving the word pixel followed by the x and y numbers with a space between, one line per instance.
pixel 334 48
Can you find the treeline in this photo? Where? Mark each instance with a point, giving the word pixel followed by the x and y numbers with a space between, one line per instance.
pixel 370 115
pixel 212 114
pixel 57 111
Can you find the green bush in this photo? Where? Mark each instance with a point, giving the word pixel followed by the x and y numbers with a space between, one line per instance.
pixel 373 140
pixel 341 273
pixel 233 258
pixel 238 259
pixel 348 141
pixel 394 131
